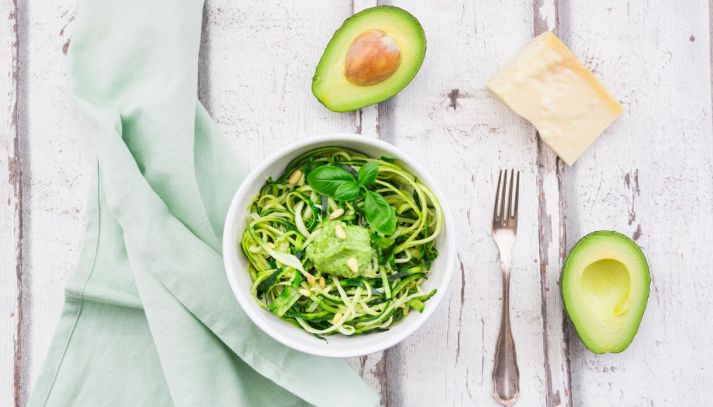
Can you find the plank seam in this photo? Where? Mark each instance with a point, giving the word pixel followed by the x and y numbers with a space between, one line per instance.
pixel 15 178
pixel 562 256
pixel 380 369
pixel 560 169
pixel 540 24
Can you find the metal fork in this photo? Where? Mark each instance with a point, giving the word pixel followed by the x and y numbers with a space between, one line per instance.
pixel 506 375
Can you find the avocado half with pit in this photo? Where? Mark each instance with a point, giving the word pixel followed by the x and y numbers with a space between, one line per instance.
pixel 605 286
pixel 370 58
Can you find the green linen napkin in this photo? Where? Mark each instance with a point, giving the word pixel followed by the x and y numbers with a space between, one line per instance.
pixel 149 318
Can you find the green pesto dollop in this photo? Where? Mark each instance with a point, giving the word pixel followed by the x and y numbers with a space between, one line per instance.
pixel 330 254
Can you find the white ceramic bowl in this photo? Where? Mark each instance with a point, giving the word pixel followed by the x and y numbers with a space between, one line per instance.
pixel 336 345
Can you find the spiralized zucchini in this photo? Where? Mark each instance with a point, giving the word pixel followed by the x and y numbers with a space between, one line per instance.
pixel 286 215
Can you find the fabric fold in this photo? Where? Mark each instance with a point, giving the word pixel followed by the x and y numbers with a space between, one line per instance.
pixel 149 317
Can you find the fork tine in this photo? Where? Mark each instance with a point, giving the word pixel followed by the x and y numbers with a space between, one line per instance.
pixel 497 195
pixel 517 194
pixel 503 215
pixel 508 214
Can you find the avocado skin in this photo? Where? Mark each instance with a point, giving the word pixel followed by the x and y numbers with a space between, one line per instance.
pixel 317 79
pixel 567 263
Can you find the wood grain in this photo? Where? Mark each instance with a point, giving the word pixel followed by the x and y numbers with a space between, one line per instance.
pixel 463 135
pixel 262 112
pixel 53 158
pixel 11 231
pixel 650 177
pixel 260 63
pixel 552 243
pixel 372 368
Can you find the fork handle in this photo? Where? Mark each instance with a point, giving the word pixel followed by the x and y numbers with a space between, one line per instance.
pixel 506 375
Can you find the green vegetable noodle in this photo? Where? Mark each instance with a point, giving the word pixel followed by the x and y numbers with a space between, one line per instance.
pixel 341 243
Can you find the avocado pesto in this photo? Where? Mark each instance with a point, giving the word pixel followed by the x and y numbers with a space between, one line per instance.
pixel 342 242
pixel 342 250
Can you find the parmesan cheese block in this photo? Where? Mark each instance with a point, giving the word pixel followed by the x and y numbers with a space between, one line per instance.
pixel 548 86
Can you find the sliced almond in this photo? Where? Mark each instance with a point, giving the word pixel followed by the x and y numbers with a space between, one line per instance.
pixel 341 234
pixel 353 264
pixel 295 177
pixel 334 215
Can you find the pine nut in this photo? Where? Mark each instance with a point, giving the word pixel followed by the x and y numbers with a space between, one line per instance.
pixel 295 177
pixel 353 265
pixel 304 292
pixel 339 212
pixel 322 282
pixel 310 280
pixel 336 318
pixel 341 234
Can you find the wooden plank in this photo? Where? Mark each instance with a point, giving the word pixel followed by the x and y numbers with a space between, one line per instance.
pixel 367 119
pixel 261 102
pixel 11 272
pixel 260 120
pixel 259 67
pixel 552 240
pixel 649 176
pixel 448 120
pixel 54 182
pixel 372 368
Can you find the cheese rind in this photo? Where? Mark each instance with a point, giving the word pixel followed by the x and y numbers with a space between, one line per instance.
pixel 549 87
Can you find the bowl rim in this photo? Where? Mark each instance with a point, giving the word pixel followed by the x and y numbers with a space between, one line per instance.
pixel 230 235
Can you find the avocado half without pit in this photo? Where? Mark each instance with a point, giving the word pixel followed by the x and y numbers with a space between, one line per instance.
pixel 370 58
pixel 605 286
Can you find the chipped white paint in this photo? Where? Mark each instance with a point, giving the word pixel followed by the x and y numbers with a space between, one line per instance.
pixel 371 367
pixel 9 205
pixel 552 239
pixel 447 119
pixel 367 118
pixel 546 12
pixel 647 176
pixel 650 176
pixel 55 168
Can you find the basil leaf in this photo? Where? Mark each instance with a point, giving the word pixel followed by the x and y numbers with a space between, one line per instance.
pixel 347 191
pixel 380 215
pixel 333 181
pixel 368 173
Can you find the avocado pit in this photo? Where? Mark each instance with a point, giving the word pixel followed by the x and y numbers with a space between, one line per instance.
pixel 372 58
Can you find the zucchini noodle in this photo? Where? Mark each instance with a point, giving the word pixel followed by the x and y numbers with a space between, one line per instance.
pixel 287 214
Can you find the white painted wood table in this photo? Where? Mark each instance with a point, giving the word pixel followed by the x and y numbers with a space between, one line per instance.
pixel 649 176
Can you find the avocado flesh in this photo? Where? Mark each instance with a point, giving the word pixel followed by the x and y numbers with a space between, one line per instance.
pixel 605 286
pixel 330 84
